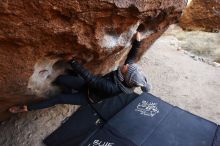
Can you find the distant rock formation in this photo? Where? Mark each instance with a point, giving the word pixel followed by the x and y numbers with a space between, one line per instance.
pixel 98 32
pixel 201 15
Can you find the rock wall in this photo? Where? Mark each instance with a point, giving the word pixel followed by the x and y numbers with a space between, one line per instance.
pixel 35 34
pixel 202 15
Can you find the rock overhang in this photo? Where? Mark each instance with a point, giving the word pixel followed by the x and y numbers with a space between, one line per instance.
pixel 98 32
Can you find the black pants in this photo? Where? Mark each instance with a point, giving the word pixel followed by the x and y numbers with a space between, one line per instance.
pixel 69 82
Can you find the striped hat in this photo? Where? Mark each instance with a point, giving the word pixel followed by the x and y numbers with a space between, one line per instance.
pixel 136 78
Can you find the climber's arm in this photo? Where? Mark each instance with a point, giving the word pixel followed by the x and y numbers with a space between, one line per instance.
pixel 134 50
pixel 95 81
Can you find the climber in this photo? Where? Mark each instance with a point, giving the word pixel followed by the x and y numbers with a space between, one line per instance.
pixel 91 88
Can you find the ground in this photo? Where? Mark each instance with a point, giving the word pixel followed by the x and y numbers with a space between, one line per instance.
pixel 176 77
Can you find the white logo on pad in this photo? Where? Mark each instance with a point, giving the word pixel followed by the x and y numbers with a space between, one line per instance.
pixel 147 108
pixel 101 143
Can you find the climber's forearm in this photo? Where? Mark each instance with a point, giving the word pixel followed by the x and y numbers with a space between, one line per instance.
pixel 133 52
pixel 82 71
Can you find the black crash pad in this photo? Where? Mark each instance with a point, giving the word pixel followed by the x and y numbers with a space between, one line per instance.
pixel 135 120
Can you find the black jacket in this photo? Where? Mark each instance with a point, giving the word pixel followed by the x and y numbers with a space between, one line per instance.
pixel 101 87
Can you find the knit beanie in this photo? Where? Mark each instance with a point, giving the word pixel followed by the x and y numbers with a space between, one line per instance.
pixel 136 78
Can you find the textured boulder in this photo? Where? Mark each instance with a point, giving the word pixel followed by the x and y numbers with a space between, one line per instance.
pixel 201 15
pixel 34 35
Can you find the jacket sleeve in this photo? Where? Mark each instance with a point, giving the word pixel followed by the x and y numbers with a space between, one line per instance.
pixel 97 82
pixel 133 52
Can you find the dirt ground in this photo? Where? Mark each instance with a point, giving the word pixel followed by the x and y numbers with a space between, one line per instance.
pixel 176 77
pixel 182 80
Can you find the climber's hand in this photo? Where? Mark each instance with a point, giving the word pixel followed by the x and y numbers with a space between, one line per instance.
pixel 138 36
pixel 69 57
pixel 18 109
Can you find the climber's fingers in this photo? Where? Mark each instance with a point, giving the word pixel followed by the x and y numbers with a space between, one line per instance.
pixel 69 57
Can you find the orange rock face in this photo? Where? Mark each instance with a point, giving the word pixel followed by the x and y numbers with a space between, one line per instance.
pixel 201 15
pixel 97 32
